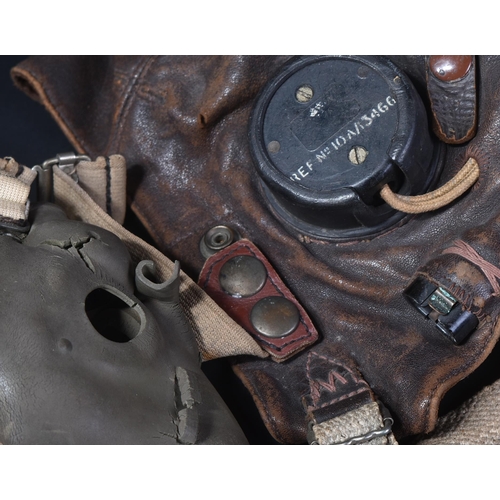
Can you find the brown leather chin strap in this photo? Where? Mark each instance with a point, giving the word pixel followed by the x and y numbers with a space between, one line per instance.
pixel 341 408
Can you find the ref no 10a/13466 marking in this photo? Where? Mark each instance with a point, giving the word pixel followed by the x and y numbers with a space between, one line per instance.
pixel 355 129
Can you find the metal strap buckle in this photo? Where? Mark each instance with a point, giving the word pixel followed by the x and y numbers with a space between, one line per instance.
pixel 67 162
pixel 385 431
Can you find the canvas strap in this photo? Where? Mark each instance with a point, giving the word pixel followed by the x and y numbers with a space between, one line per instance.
pixel 14 192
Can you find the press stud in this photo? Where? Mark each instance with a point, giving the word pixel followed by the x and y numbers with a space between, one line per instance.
pixel 242 276
pixel 216 239
pixel 275 317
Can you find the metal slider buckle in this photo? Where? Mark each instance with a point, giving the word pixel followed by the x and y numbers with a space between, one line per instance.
pixel 67 162
pixel 385 431
pixel 439 305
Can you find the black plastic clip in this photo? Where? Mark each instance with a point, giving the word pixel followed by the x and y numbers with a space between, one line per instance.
pixel 438 304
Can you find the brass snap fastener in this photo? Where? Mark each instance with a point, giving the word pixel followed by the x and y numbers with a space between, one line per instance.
pixel 275 317
pixel 242 276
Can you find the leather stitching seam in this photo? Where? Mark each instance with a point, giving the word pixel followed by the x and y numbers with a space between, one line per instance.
pixel 128 99
pixel 356 379
pixel 341 398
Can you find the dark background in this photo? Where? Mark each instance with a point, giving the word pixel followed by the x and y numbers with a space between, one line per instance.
pixel 27 132
pixel 30 135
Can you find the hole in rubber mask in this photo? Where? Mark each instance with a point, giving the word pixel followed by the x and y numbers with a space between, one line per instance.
pixel 114 315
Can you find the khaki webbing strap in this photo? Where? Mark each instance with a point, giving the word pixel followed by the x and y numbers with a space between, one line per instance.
pixel 217 334
pixel 105 181
pixel 474 422
pixel 364 425
pixel 14 191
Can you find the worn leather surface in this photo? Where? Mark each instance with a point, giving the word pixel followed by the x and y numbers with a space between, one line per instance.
pixel 83 360
pixel 182 124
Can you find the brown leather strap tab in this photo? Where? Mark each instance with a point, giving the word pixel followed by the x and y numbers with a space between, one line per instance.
pixel 341 408
pixel 334 389
pixel 243 282
pixel 451 84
